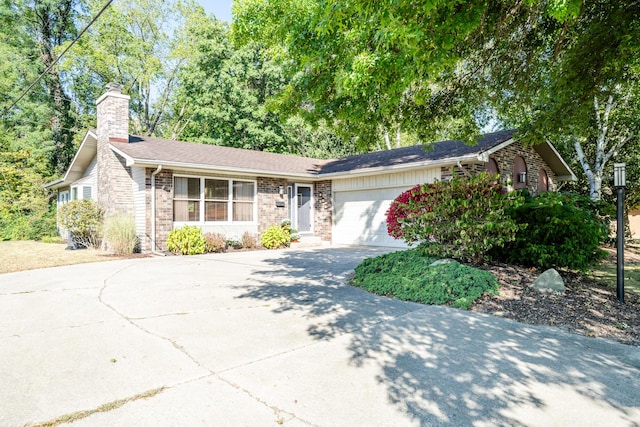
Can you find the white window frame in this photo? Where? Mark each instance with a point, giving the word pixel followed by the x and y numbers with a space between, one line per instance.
pixel 230 220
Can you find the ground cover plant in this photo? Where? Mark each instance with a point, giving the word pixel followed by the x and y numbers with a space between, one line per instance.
pixel 408 275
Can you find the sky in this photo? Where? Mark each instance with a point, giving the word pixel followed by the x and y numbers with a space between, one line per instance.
pixel 220 8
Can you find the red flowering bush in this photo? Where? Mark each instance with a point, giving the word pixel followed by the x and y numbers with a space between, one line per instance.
pixel 463 218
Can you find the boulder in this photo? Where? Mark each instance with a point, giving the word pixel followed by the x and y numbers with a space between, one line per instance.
pixel 550 282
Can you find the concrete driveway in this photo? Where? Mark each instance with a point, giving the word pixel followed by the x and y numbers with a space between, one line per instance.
pixel 277 338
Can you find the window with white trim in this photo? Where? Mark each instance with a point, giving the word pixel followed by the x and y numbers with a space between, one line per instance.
pixel 213 200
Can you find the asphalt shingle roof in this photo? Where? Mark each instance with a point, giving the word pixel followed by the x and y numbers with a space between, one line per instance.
pixel 415 154
pixel 162 150
pixel 142 148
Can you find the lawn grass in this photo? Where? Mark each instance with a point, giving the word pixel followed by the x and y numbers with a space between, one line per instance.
pixel 606 273
pixel 28 255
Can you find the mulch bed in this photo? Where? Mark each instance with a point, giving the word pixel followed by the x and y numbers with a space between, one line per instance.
pixel 587 307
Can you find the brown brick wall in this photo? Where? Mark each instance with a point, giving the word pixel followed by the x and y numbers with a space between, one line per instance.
pixel 322 209
pixel 164 207
pixel 114 180
pixel 268 194
pixel 504 158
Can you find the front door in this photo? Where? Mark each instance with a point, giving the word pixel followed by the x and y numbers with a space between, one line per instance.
pixel 303 197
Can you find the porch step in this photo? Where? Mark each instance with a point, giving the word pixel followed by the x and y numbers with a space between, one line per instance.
pixel 309 242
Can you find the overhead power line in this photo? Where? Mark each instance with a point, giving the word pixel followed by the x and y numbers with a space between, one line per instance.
pixel 27 90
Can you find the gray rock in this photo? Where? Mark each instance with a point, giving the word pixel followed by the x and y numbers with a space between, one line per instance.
pixel 442 261
pixel 550 281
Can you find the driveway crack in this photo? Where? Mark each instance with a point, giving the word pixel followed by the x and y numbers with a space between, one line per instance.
pixel 131 321
pixel 277 411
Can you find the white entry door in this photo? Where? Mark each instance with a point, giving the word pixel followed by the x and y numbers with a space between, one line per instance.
pixel 304 214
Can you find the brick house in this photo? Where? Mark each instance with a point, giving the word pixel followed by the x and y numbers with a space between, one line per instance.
pixel 166 184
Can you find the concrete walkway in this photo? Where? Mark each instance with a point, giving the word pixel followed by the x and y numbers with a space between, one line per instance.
pixel 276 338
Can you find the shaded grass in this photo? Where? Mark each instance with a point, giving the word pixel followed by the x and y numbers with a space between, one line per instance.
pixel 28 255
pixel 606 274
pixel 408 276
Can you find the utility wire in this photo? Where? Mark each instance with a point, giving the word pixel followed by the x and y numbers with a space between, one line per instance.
pixel 6 110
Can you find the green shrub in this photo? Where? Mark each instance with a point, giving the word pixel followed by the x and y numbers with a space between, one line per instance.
pixel 120 234
pixel 465 217
pixel 215 242
pixel 562 230
pixel 234 242
pixel 407 275
pixel 52 239
pixel 83 219
pixel 275 237
pixel 187 240
pixel 249 240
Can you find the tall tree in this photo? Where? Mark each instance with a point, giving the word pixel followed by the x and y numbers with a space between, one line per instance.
pixel 223 95
pixel 130 44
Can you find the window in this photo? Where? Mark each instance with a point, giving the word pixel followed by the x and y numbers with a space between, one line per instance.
pixel 186 199
pixel 543 181
pixel 74 193
pixel 86 192
pixel 220 200
pixel 519 173
pixel 242 201
pixel 216 199
pixel 492 166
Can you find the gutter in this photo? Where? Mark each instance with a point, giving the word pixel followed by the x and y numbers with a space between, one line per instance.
pixel 153 211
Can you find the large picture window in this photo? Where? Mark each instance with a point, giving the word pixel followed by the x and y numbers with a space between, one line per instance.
pixel 213 200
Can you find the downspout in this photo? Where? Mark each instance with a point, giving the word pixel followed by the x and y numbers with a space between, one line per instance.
pixel 153 211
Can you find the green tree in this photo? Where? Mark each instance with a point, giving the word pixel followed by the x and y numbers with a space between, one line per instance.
pixel 224 92
pixel 131 44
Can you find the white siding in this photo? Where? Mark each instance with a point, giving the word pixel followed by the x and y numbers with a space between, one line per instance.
pixel 139 202
pixel 387 180
pixel 360 206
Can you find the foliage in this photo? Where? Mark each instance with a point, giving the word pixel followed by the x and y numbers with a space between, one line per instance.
pixel 275 237
pixel 563 230
pixel 187 240
pixel 465 217
pixel 223 96
pixel 131 44
pixel 215 242
pixel 407 275
pixel 249 240
pixel 120 234
pixel 83 219
pixel 234 242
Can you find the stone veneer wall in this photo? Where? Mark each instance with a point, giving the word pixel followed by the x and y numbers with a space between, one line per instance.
pixel 268 195
pixel 504 158
pixel 164 208
pixel 322 209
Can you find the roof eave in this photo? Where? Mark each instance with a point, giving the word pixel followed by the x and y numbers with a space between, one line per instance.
pixel 87 149
pixel 195 167
pixel 398 168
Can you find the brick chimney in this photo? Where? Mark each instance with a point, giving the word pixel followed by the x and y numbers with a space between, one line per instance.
pixel 113 176
pixel 113 115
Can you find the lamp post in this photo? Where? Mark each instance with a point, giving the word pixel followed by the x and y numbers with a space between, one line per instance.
pixel 619 181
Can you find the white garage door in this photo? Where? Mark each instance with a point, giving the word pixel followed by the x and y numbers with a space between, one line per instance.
pixel 359 217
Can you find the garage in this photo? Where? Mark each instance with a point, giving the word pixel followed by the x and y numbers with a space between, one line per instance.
pixel 360 206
